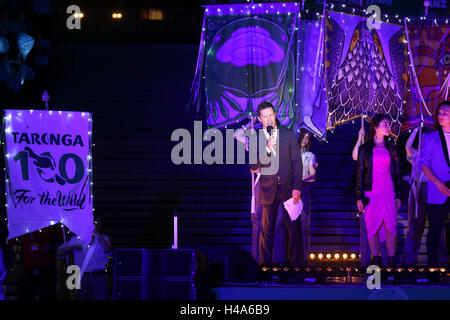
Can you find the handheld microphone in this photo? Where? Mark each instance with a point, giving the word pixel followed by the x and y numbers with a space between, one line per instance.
pixel 365 201
pixel 269 130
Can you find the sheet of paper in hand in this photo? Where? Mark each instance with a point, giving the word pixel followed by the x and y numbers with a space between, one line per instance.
pixel 294 210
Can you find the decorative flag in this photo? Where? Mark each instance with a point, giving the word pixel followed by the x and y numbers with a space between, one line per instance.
pixel 48 171
pixel 429 82
pixel 366 69
pixel 312 110
pixel 247 56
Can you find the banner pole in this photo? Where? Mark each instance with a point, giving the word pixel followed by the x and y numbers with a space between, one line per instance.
pixel 65 243
pixel 253 203
pixel 416 178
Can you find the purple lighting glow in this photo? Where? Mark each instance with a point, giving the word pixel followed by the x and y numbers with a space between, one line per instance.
pixel 250 45
pixel 260 8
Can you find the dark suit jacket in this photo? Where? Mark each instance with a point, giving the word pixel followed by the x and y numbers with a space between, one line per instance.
pixel 290 168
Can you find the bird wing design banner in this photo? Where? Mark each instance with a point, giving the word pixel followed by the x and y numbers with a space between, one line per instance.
pixel 430 50
pixel 366 69
pixel 247 56
pixel 48 171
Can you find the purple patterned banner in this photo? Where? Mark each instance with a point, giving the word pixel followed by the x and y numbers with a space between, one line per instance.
pixel 48 171
pixel 247 56
pixel 365 69
pixel 312 113
pixel 430 50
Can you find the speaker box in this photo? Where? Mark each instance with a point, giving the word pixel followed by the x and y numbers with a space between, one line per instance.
pixel 161 263
pixel 240 266
pixel 151 289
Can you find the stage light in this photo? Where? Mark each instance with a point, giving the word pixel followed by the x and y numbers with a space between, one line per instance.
pixel 336 255
pixel 312 256
pixel 344 256
pixel 353 256
pixel 442 270
pixel 328 256
pixel 410 269
pixel 320 256
pixel 117 15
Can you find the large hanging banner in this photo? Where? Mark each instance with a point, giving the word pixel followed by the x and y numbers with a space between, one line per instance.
pixel 366 69
pixel 312 113
pixel 247 56
pixel 429 83
pixel 48 171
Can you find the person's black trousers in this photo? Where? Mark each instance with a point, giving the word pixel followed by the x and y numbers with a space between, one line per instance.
pixel 437 213
pixel 293 231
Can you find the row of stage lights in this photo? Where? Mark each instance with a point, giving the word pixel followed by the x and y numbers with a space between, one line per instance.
pixel 329 256
pixel 353 256
pixel 341 269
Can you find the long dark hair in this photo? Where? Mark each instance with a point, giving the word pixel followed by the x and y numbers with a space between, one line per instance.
pixel 436 125
pixel 376 119
pixel 302 134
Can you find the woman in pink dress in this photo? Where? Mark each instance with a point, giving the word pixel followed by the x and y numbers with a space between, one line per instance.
pixel 378 187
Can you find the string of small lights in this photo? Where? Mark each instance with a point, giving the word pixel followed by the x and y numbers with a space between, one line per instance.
pixel 7 130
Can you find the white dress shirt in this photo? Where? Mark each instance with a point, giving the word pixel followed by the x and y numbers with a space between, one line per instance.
pixel 447 139
pixel 275 135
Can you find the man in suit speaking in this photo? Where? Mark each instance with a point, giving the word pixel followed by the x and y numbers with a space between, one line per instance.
pixel 277 186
